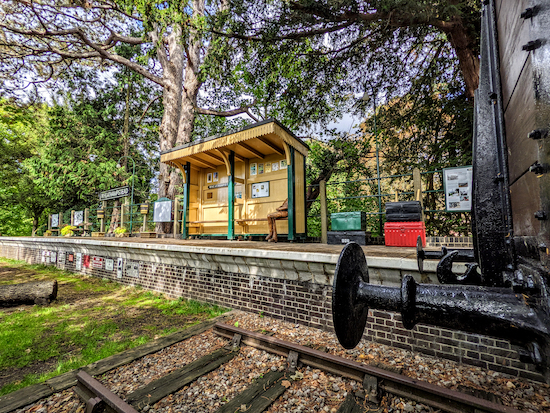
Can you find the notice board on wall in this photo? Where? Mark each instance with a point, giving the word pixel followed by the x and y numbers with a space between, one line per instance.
pixel 457 183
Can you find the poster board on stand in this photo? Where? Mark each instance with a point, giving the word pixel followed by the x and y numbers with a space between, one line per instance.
pixel 457 183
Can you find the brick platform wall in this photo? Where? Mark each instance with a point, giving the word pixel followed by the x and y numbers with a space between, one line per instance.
pixel 302 302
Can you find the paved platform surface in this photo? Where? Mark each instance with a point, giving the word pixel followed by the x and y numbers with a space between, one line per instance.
pixel 370 250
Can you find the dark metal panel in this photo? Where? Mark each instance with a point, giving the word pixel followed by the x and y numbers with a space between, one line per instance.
pixel 540 30
pixel 513 34
pixel 491 211
pixel 519 120
pixel 525 196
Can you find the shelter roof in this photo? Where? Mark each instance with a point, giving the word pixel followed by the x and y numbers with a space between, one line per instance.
pixel 254 141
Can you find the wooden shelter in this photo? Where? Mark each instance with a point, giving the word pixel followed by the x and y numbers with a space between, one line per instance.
pixel 232 181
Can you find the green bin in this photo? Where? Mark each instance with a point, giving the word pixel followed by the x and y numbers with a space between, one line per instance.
pixel 348 221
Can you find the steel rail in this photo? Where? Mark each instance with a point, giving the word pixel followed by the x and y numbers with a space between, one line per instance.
pixel 104 398
pixel 435 396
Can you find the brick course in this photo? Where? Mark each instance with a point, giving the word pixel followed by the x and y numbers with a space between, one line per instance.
pixel 221 281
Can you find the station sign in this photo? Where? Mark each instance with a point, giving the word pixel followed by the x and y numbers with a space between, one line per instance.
pixel 114 193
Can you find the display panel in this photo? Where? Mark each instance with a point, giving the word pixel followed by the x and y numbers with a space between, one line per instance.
pixel 260 190
pixel 458 189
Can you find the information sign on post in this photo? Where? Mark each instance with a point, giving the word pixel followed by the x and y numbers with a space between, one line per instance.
pixel 78 218
pixel 55 220
pixel 458 188
pixel 114 193
pixel 162 210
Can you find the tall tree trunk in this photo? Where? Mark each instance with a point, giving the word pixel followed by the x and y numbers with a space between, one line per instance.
pixel 115 216
pixel 464 46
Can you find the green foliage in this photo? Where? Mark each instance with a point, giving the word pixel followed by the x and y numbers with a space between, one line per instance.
pixel 68 230
pixel 75 336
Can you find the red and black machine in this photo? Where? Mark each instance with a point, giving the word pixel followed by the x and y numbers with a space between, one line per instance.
pixel 505 291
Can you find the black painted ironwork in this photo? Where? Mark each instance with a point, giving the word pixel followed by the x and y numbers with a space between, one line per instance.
pixel 505 290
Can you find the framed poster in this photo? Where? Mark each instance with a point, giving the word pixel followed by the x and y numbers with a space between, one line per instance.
pixel 275 166
pixel 215 177
pixel 260 168
pixel 253 168
pixel 55 220
pixel 97 262
pixel 163 211
pixel 119 267
pixel 78 218
pixel 78 263
pixel 457 183
pixel 268 167
pixel 209 177
pixel 260 190
pixel 283 164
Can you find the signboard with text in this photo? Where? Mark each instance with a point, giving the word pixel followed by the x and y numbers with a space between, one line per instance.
pixel 458 188
pixel 114 193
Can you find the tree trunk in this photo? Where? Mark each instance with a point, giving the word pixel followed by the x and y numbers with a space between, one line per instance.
pixel 37 292
pixel 464 47
pixel 115 216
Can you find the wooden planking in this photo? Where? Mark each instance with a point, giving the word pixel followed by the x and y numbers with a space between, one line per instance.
pixel 523 212
pixel 513 33
pixel 257 397
pixel 24 397
pixel 519 119
pixel 171 383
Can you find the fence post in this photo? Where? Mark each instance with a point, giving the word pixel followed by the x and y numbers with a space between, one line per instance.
pixel 49 222
pixel 102 220
pixel 72 217
pixel 86 223
pixel 176 226
pixel 417 187
pixel 123 211
pixel 60 222
pixel 324 222
pixel 144 227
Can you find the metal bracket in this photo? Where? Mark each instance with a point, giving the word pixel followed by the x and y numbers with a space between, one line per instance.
pixel 538 134
pixel 529 12
pixel 532 45
pixel 537 168
pixel 95 405
pixel 370 384
pixel 445 274
pixel 236 341
pixel 292 361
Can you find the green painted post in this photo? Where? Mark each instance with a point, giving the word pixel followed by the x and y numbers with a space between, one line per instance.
pixel 231 198
pixel 186 188
pixel 291 206
pixel 305 200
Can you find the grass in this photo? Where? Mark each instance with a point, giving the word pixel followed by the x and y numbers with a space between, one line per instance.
pixel 92 319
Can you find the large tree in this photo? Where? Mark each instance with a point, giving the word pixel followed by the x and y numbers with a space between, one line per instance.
pixel 41 39
pixel 354 45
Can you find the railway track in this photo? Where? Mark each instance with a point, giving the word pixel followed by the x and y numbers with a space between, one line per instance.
pixel 271 383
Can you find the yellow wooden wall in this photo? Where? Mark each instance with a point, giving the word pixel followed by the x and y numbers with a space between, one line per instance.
pixel 260 207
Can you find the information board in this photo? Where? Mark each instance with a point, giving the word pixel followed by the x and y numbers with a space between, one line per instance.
pixel 55 220
pixel 457 183
pixel 260 190
pixel 162 211
pixel 78 217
